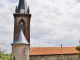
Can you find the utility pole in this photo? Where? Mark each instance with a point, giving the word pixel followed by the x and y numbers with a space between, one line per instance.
pixel 61 51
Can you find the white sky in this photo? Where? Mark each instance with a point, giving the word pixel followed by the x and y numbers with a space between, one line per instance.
pixel 53 22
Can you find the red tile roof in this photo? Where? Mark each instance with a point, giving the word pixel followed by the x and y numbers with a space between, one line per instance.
pixel 52 50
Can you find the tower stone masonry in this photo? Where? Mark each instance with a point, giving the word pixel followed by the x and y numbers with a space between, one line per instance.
pixel 25 19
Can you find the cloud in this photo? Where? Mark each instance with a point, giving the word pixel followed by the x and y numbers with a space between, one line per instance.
pixel 6 24
pixel 57 21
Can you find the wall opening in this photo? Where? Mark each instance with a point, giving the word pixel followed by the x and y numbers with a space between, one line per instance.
pixel 13 58
pixel 22 25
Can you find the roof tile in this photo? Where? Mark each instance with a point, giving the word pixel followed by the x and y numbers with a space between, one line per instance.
pixel 52 50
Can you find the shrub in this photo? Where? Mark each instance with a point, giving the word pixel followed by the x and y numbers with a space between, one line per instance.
pixel 4 56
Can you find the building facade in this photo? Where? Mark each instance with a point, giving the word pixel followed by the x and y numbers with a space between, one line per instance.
pixel 53 53
pixel 55 57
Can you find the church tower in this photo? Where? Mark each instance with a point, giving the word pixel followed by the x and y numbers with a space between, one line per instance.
pixel 22 20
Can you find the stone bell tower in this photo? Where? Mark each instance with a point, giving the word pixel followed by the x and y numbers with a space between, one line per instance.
pixel 22 20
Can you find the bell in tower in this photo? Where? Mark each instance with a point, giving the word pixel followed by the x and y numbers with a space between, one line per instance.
pixel 22 20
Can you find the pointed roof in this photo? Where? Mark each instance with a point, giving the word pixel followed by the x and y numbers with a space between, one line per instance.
pixel 20 39
pixel 22 6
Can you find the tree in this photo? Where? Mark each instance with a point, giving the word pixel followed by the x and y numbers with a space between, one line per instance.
pixel 78 48
pixel 4 56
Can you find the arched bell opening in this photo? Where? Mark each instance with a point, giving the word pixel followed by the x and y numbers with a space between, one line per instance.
pixel 22 25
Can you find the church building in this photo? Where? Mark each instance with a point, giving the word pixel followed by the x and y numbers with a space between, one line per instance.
pixel 21 49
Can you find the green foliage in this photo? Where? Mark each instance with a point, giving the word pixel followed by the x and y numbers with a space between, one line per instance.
pixel 4 56
pixel 79 41
pixel 78 48
pixel 79 54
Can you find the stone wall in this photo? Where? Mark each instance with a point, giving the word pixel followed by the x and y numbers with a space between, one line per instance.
pixel 26 19
pixel 55 57
pixel 20 52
